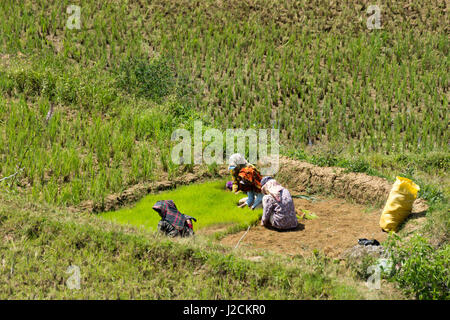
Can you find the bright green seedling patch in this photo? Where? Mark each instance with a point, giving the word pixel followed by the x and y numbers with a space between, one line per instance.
pixel 306 214
pixel 208 202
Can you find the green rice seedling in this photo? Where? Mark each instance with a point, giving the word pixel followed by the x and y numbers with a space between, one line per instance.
pixel 208 202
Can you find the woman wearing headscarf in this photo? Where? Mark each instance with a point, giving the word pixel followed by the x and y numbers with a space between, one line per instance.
pixel 246 178
pixel 173 223
pixel 278 207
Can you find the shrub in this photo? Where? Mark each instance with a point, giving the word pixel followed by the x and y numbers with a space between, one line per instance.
pixel 153 79
pixel 358 165
pixel 31 82
pixel 420 269
pixel 431 193
pixel 325 160
pixel 298 154
pixel 437 160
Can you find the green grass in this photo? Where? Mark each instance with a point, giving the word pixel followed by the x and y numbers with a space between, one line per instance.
pixel 369 101
pixel 133 74
pixel 40 242
pixel 208 202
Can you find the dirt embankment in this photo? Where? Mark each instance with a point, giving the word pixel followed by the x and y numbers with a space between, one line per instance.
pixel 301 176
pixel 361 188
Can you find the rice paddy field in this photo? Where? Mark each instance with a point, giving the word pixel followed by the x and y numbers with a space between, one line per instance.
pixel 208 202
pixel 87 112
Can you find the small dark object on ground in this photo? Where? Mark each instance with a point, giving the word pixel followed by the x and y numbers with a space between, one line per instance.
pixel 366 242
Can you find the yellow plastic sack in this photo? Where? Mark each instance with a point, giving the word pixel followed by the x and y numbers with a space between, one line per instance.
pixel 399 204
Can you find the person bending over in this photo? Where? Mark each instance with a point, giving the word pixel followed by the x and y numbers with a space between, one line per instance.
pixel 173 223
pixel 246 178
pixel 278 206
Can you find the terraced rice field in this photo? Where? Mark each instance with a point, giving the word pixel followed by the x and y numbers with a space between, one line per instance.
pixel 208 202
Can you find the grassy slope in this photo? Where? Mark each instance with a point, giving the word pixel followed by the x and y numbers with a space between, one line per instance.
pixel 39 243
pixel 309 63
pixel 208 202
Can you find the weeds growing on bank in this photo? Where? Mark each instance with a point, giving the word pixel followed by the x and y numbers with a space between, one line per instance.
pixel 419 268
